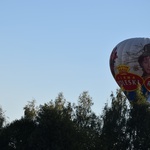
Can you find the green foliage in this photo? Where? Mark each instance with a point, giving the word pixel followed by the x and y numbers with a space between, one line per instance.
pixel 114 119
pixel 138 126
pixel 88 124
pixel 83 110
pixel 54 127
pixel 126 125
pixel 30 110
pixel 2 118
pixel 60 125
pixel 16 135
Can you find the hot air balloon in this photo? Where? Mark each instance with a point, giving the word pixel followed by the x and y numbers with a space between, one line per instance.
pixel 130 66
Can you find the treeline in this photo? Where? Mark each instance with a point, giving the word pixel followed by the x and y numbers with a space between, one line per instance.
pixel 60 125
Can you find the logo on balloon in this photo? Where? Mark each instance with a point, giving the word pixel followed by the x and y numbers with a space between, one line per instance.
pixel 127 81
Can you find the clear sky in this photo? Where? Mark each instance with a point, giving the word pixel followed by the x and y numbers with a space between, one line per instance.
pixel 52 46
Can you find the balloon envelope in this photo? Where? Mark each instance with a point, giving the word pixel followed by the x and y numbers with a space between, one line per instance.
pixel 130 66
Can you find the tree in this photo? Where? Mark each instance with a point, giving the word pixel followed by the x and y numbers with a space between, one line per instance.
pixel 16 135
pixel 114 120
pixel 138 125
pixel 30 110
pixel 83 110
pixel 126 127
pixel 87 122
pixel 2 118
pixel 55 130
pixel 59 125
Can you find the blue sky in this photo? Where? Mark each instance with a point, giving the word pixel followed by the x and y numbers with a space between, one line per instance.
pixel 47 47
